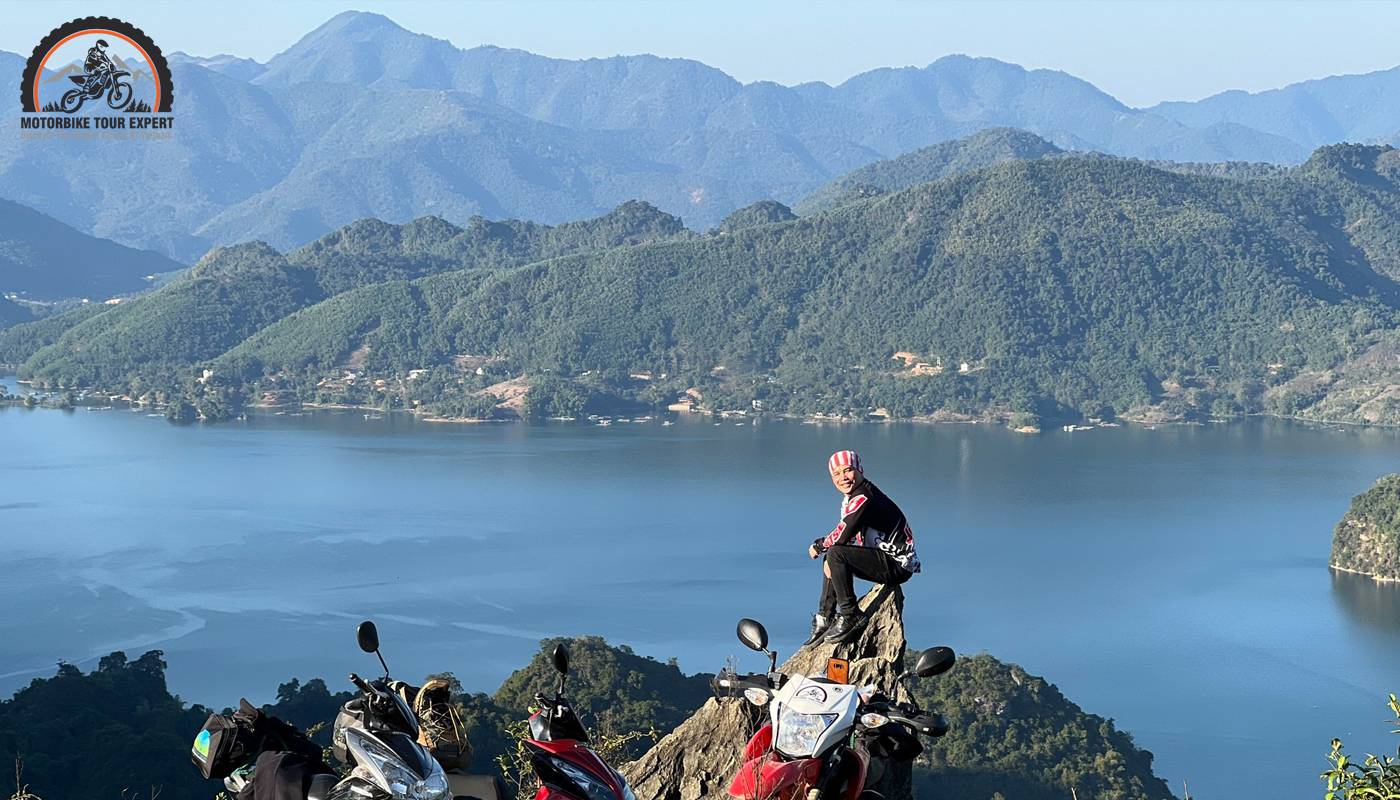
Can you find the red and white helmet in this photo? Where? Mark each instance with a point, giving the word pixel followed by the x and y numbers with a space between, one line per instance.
pixel 843 458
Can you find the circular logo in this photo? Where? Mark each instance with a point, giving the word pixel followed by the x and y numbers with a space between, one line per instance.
pixel 96 65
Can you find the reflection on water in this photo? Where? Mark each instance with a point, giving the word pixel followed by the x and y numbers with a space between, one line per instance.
pixel 1366 600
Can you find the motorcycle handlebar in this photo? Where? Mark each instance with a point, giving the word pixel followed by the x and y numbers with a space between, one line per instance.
pixel 927 724
pixel 360 684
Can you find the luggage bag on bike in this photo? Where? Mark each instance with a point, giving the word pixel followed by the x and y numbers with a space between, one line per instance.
pixel 222 745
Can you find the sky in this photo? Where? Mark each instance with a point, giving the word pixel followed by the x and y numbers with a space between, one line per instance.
pixel 1142 52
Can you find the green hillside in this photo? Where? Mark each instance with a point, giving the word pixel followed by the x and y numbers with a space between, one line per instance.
pixel 235 292
pixel 226 297
pixel 22 341
pixel 942 160
pixel 1367 539
pixel 1017 735
pixel 1052 287
pixel 1066 286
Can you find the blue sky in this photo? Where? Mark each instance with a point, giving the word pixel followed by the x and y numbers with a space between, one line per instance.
pixel 1140 52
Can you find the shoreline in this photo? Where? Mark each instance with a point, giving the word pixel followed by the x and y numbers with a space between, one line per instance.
pixel 936 418
pixel 1372 576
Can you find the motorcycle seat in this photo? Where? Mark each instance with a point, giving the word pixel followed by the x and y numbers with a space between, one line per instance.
pixel 321 787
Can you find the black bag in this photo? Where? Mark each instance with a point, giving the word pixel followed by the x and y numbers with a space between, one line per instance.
pixel 226 743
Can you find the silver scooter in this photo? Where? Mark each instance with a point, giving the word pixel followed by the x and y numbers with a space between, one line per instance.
pixel 376 735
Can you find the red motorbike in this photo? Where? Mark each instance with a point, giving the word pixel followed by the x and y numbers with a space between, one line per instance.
pixel 567 768
pixel 827 740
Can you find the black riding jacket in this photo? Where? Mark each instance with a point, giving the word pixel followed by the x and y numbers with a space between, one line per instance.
pixel 870 519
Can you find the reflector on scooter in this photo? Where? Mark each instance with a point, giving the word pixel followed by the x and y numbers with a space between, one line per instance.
pixel 756 696
pixel 873 720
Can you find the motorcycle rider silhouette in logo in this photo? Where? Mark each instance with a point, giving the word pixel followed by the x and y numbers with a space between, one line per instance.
pixel 102 76
pixel 98 65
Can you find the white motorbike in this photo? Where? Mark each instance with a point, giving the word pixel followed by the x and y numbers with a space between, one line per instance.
pixel 827 739
pixel 376 735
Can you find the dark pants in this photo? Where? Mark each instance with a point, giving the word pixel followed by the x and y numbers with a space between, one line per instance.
pixel 847 563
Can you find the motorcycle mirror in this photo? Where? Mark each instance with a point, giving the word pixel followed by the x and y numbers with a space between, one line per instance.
pixel 368 636
pixel 935 661
pixel 561 658
pixel 753 635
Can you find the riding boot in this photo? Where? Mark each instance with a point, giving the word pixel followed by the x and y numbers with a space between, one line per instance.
pixel 845 628
pixel 820 625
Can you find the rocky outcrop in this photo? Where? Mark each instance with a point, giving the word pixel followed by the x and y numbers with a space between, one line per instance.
pixel 699 757
pixel 1367 540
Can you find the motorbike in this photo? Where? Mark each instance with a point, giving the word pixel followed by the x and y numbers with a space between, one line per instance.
pixel 566 767
pixel 376 735
pixel 826 739
pixel 117 90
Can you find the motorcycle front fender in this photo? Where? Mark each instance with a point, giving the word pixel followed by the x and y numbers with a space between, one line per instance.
pixel 760 743
pixel 768 778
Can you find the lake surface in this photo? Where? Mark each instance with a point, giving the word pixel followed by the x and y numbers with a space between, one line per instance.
pixel 1174 580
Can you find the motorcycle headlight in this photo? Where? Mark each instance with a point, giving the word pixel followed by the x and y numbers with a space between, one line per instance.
pixel 377 764
pixel 798 733
pixel 594 788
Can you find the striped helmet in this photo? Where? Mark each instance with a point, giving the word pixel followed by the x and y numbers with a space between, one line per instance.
pixel 843 458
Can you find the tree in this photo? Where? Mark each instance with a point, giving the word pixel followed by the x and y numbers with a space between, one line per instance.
pixel 181 411
pixel 1375 778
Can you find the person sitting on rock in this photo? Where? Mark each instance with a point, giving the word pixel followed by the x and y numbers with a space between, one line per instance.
pixel 872 542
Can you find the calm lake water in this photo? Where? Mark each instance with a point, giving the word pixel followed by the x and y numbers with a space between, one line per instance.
pixel 1175 579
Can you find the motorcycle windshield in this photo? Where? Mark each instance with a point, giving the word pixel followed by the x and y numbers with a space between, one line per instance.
pixel 414 756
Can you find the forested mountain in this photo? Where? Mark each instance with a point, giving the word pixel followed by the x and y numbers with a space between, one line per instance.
pixel 983 149
pixel 760 213
pixel 1015 734
pixel 1354 108
pixel 118 727
pixel 1065 286
pixel 236 291
pixel 362 118
pixel 929 164
pixel 23 341
pixel 43 259
pixel 12 314
pixel 244 69
pixel 1367 539
pixel 1054 287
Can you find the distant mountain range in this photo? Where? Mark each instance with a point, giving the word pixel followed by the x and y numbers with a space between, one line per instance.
pixel 43 259
pixel 362 118
pixel 12 314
